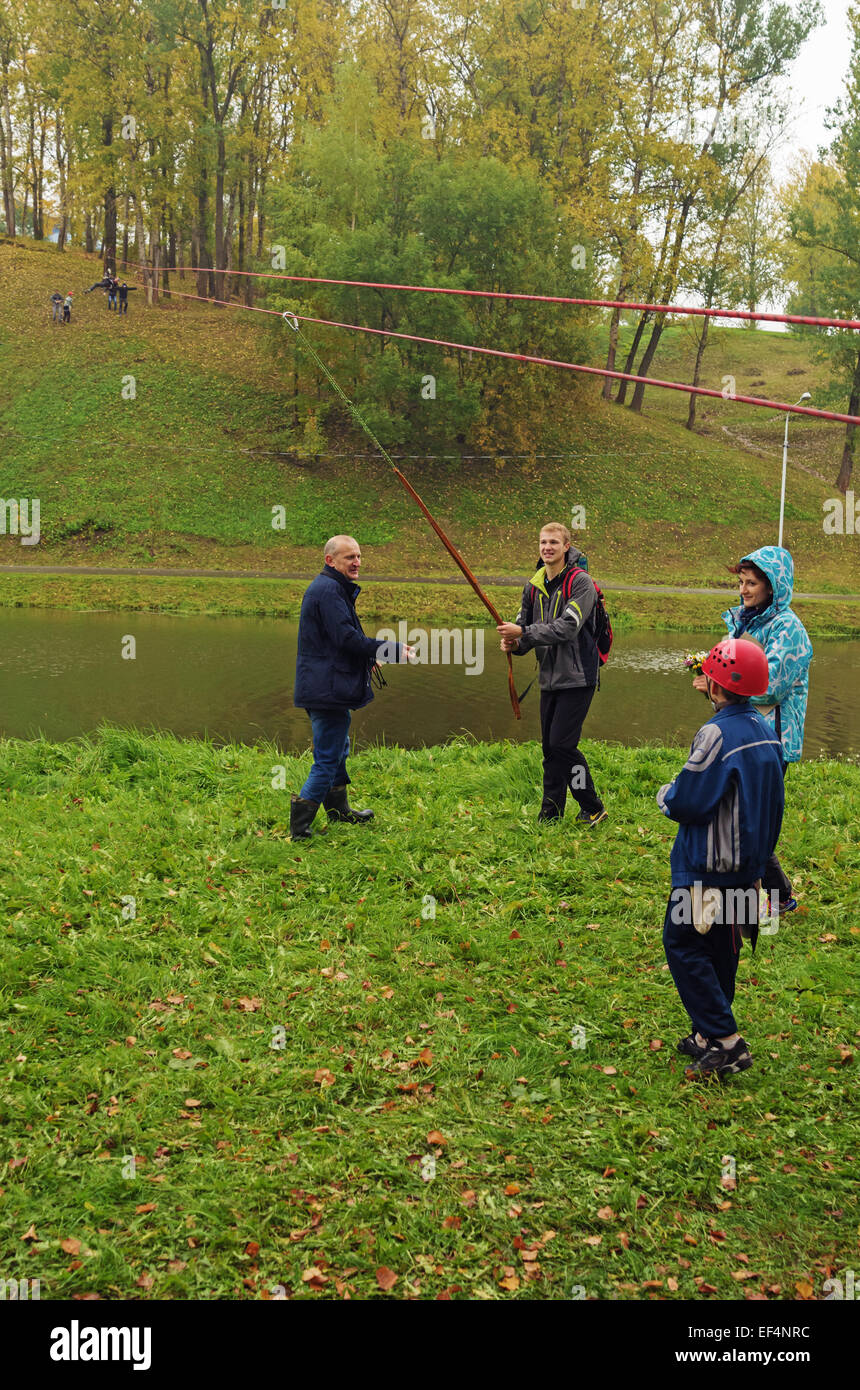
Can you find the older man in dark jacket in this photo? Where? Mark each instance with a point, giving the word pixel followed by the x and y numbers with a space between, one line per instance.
pixel 334 669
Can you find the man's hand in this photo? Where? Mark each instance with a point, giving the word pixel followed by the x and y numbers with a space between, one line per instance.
pixel 700 683
pixel 509 644
pixel 509 632
pixel 407 653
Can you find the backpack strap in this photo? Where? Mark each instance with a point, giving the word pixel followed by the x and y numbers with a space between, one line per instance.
pixel 567 582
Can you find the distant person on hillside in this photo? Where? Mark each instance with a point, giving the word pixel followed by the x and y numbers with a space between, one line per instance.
pixel 103 284
pixel 56 307
pixel 766 580
pixel 67 308
pixel 728 800
pixel 554 622
pixel 123 296
pixel 335 665
pixel 113 287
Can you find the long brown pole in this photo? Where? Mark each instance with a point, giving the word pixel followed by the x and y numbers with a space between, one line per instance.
pixel 459 561
pixel 452 550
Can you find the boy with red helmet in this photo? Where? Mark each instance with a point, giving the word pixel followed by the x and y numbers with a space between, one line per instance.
pixel 728 800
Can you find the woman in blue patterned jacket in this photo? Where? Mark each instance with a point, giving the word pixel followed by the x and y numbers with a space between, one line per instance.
pixel 766 580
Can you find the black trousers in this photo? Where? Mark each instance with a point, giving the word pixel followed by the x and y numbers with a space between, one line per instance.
pixel 562 715
pixel 774 874
pixel 704 967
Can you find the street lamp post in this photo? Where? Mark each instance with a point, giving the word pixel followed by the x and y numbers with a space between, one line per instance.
pixel 805 397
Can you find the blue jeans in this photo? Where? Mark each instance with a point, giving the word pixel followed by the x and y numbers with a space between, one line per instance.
pixel 331 750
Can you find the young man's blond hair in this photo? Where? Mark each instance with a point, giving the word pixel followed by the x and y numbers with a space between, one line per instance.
pixel 559 530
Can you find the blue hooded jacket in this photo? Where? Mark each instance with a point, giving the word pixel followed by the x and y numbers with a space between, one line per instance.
pixel 787 648
pixel 334 658
pixel 728 799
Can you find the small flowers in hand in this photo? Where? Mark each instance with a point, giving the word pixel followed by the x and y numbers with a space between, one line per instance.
pixel 693 662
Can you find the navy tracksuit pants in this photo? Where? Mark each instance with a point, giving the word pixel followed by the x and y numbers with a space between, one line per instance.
pixel 704 967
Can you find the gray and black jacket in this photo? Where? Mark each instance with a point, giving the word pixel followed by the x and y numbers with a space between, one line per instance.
pixel 558 628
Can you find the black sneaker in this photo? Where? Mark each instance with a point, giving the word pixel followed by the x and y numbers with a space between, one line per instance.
pixel 721 1061
pixel 591 820
pixel 688 1047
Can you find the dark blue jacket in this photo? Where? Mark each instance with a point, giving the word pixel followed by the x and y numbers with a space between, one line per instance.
pixel 728 798
pixel 334 659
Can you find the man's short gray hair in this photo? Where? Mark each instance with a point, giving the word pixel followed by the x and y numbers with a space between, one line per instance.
pixel 333 545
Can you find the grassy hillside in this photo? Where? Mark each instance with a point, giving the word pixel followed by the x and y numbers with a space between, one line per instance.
pixel 187 473
pixel 280 1036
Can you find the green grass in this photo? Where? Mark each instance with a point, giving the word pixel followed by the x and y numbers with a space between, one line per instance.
pixel 426 603
pixel 153 1036
pixel 187 473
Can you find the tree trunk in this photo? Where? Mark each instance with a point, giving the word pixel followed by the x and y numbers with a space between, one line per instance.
pixel 6 160
pixel 61 157
pixel 109 239
pixel 700 352
pixel 89 240
pixel 261 202
pixel 612 350
pixel 631 356
pixel 645 363
pixel 125 231
pixel 43 137
pixel 847 464
pixel 249 228
pixel 220 246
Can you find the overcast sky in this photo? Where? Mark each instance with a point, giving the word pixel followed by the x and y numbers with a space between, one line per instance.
pixel 816 81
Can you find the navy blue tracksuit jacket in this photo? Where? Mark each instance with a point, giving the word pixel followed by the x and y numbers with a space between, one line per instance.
pixel 728 799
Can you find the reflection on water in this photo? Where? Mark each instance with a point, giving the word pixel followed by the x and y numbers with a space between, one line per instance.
pixel 64 673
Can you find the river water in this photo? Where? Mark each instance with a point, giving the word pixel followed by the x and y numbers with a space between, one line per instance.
pixel 231 678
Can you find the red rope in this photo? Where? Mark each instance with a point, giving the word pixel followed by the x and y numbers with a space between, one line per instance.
pixel 544 362
pixel 744 314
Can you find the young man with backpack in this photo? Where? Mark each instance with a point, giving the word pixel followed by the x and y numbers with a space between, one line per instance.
pixel 563 619
pixel 56 307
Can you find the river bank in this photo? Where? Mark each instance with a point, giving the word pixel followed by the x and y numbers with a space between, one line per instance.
pixel 440 603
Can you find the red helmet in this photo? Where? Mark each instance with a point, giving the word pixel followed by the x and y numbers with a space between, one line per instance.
pixel 737 665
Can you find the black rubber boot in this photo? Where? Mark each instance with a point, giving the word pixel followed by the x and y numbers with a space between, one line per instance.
pixel 301 816
pixel 338 808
